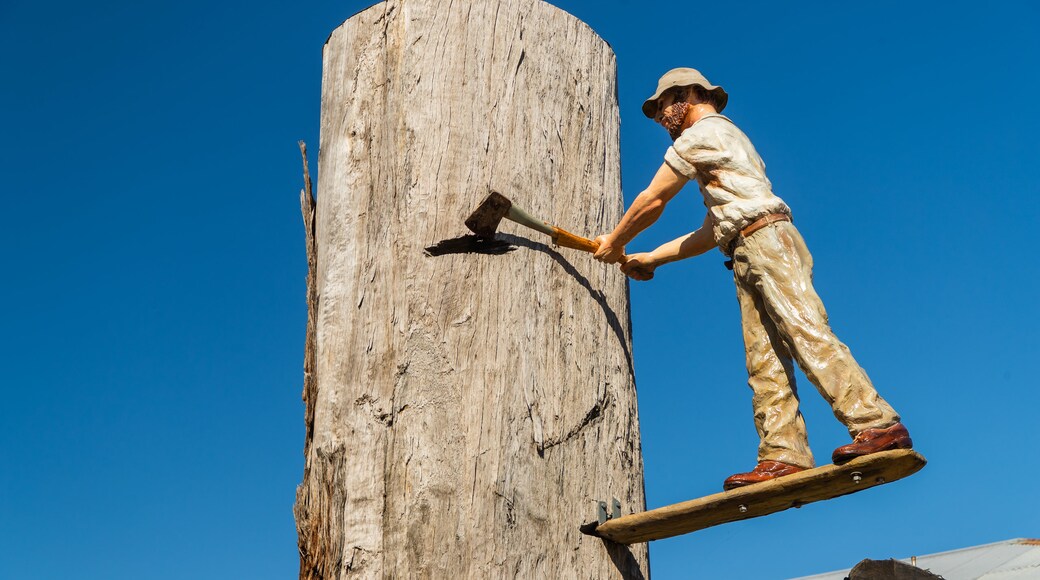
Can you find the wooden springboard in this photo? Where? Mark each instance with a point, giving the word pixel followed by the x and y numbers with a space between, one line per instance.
pixel 760 499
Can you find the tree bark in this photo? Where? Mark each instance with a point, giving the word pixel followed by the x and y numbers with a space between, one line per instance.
pixel 465 410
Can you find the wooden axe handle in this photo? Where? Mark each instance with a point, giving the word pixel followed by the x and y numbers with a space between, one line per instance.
pixel 568 240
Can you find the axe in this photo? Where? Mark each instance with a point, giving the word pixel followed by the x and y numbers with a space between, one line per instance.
pixel 485 219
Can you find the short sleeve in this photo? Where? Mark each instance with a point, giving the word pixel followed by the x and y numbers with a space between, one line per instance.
pixel 676 162
pixel 698 145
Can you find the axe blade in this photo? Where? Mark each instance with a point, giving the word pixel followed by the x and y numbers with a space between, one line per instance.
pixel 485 219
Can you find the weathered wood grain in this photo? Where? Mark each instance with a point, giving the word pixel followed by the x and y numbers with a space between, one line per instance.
pixel 469 407
pixel 762 499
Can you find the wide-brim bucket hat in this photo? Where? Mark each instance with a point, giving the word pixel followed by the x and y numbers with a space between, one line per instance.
pixel 683 77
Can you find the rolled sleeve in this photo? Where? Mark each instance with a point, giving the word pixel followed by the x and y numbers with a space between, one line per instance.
pixel 676 162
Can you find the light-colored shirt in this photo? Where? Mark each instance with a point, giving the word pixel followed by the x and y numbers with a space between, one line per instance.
pixel 731 175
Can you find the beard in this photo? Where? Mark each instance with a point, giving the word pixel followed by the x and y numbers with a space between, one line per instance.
pixel 674 117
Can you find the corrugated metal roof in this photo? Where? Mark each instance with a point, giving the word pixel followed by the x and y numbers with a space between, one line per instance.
pixel 1017 559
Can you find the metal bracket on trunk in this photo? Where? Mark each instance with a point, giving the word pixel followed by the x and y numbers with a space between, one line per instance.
pixel 601 510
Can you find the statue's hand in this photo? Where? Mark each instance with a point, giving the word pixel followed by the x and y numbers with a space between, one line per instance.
pixel 607 252
pixel 639 267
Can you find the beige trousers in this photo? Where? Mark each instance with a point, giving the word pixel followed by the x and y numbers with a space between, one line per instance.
pixel 783 318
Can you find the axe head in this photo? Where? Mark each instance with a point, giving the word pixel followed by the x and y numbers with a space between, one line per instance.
pixel 485 219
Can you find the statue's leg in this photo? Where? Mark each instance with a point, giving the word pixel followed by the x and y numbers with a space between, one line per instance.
pixel 781 428
pixel 780 268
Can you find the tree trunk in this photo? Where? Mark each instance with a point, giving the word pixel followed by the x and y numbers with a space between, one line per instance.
pixel 465 410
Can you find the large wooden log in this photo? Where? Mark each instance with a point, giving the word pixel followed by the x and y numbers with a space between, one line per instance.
pixel 466 410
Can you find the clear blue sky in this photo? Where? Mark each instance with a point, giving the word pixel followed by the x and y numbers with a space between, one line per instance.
pixel 153 314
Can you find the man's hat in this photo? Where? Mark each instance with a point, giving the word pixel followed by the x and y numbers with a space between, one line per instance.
pixel 683 77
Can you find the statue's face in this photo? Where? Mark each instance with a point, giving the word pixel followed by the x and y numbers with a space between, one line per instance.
pixel 671 114
pixel 663 102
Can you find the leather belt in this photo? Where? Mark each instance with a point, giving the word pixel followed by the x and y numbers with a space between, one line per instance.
pixel 763 222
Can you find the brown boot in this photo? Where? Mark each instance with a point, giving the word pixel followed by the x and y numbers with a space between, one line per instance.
pixel 764 471
pixel 872 441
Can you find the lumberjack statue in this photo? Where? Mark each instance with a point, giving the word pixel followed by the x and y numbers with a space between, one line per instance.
pixel 782 317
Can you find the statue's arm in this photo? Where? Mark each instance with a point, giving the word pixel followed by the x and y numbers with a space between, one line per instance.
pixel 642 266
pixel 643 212
pixel 692 244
